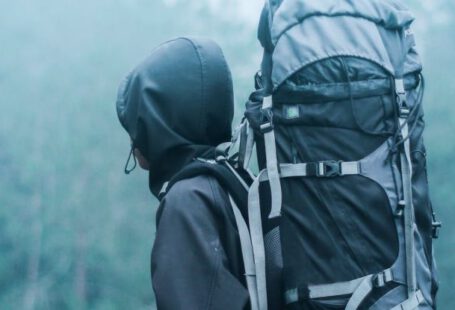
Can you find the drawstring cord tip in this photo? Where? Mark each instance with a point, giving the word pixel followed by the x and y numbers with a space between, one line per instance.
pixel 129 170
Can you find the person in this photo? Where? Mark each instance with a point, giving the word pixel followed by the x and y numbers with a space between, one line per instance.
pixel 176 106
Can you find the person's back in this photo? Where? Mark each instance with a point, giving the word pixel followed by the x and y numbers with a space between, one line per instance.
pixel 197 242
pixel 177 106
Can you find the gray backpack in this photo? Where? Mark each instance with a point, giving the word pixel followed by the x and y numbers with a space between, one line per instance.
pixel 341 204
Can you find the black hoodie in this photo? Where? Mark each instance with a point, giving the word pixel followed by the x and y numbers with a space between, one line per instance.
pixel 178 105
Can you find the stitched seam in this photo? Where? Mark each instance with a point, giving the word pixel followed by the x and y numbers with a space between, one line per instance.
pixel 203 91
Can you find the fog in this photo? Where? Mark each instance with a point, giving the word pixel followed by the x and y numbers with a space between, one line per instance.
pixel 75 232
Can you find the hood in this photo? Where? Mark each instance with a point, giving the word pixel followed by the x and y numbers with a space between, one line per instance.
pixel 177 105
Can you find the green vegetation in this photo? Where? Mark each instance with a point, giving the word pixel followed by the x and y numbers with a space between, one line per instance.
pixel 75 233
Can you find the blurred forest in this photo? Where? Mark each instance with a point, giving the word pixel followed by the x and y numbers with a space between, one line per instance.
pixel 75 232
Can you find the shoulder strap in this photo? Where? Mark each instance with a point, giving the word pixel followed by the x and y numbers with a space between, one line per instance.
pixel 236 183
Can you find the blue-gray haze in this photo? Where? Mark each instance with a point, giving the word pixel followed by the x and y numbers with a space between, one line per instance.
pixel 75 233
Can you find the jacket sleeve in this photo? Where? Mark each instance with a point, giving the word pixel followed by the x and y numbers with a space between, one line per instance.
pixel 190 269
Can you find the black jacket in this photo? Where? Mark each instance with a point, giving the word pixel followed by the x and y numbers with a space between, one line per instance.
pixel 196 260
pixel 177 105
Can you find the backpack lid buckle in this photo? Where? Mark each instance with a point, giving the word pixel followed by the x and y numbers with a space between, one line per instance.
pixel 404 111
pixel 400 92
pixel 328 169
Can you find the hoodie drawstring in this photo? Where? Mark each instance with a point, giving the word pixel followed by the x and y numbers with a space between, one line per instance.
pixel 129 170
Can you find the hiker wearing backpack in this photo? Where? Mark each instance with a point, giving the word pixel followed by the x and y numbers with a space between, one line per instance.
pixel 177 106
pixel 342 186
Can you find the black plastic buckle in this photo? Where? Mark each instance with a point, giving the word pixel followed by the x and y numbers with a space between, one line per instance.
pixel 400 208
pixel 267 124
pixel 435 230
pixel 400 92
pixel 328 169
pixel 401 99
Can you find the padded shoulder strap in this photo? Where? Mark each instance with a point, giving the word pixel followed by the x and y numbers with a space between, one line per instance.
pixel 237 188
pixel 223 173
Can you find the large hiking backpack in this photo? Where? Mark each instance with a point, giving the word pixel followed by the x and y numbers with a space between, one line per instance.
pixel 342 182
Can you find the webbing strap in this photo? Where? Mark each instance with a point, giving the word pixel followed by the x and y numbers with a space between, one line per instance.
pixel 366 286
pixel 249 147
pixel 272 161
pixel 257 240
pixel 359 288
pixel 351 168
pixel 319 169
pixel 239 138
pixel 247 253
pixel 412 302
pixel 335 289
pixel 406 173
pixel 362 291
pixel 239 178
pixel 406 177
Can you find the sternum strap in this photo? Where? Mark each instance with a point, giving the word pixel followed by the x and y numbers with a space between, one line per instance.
pixel 359 289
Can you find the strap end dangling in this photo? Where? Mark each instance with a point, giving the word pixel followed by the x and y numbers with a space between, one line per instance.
pixel 129 170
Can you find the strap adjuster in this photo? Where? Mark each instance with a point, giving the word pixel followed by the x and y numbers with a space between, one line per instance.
pixel 328 169
pixel 382 278
pixel 296 294
pixel 266 127
pixel 267 124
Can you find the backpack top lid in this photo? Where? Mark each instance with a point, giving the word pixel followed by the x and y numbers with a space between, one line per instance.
pixel 388 13
pixel 300 33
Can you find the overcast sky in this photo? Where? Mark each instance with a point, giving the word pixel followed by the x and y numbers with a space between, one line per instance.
pixel 247 11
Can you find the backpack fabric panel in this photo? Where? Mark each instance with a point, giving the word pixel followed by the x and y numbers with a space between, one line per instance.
pixel 333 70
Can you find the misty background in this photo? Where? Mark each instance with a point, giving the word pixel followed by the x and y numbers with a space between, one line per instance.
pixel 75 232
